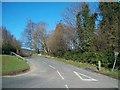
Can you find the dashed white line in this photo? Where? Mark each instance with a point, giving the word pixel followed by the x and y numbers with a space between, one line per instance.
pixel 44 62
pixel 60 74
pixel 51 66
pixel 90 79
pixel 66 86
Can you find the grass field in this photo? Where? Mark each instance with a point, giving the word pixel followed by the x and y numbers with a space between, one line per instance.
pixel 12 65
pixel 105 71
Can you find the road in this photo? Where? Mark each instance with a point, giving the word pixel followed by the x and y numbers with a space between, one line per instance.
pixel 46 73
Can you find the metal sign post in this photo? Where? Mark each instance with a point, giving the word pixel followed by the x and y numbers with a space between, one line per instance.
pixel 116 54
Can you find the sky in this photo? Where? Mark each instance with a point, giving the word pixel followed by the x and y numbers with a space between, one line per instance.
pixel 16 14
pixel 0 13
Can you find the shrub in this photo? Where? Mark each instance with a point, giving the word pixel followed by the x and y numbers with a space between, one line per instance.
pixel 68 55
pixel 110 58
pixel 118 61
pixel 72 55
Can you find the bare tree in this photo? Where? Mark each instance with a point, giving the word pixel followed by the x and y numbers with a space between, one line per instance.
pixel 35 36
pixel 40 35
pixel 69 15
pixel 27 35
pixel 69 18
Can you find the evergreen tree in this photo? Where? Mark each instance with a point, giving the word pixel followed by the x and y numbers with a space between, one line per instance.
pixel 85 27
pixel 109 23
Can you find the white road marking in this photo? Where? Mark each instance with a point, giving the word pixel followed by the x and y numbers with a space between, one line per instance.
pixel 66 86
pixel 78 75
pixel 60 74
pixel 51 66
pixel 44 62
pixel 90 79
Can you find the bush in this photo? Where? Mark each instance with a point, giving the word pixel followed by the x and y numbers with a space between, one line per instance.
pixel 118 61
pixel 94 57
pixel 68 55
pixel 59 54
pixel 7 48
pixel 72 55
pixel 106 58
pixel 87 57
pixel 109 59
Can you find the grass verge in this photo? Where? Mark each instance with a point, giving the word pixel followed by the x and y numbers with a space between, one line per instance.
pixel 12 65
pixel 105 71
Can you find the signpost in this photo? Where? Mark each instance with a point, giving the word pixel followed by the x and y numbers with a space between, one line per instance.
pixel 116 54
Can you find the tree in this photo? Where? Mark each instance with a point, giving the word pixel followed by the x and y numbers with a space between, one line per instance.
pixel 60 40
pixel 35 36
pixel 78 16
pixel 109 23
pixel 69 15
pixel 28 35
pixel 40 36
pixel 9 42
pixel 57 39
pixel 107 37
pixel 85 27
pixel 69 18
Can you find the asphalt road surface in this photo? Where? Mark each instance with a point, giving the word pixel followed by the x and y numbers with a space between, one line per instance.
pixel 46 73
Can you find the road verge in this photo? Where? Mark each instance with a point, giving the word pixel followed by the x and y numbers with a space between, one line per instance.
pixel 12 65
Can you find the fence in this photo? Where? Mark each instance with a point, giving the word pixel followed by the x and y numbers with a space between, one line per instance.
pixel 12 53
